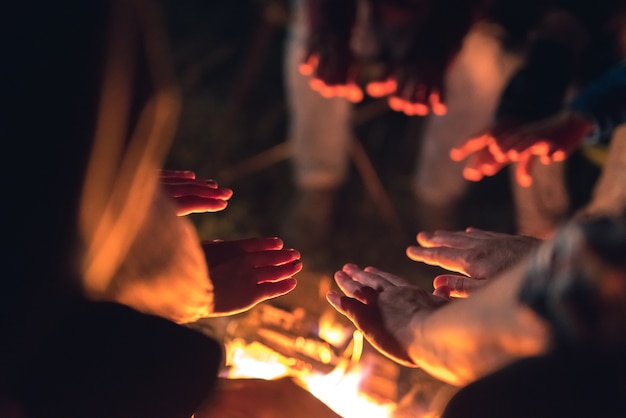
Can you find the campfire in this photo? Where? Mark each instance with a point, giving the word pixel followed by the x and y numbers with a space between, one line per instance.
pixel 322 355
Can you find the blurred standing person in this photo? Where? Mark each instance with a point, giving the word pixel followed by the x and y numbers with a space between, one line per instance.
pixel 319 135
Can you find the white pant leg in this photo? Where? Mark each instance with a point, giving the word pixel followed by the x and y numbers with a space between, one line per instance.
pixel 319 129
pixel 473 87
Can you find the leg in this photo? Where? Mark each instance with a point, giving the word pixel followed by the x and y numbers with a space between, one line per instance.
pixel 319 137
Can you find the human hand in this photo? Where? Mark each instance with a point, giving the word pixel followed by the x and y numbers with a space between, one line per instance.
pixel 383 307
pixel 481 150
pixel 194 195
pixel 415 95
pixel 477 254
pixel 329 59
pixel 249 271
pixel 550 140
pixel 415 89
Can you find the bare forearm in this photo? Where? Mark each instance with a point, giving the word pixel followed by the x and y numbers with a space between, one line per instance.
pixel 470 338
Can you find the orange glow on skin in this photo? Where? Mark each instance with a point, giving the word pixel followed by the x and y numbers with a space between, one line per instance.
pixel 540 148
pixel 472 145
pixel 438 107
pixel 381 88
pixel 418 109
pixel 522 174
pixel 396 104
pixel 354 93
pixel 513 155
pixel 350 91
pixel 316 84
pixel 496 151
pixel 472 174
pixel 559 155
pixel 307 68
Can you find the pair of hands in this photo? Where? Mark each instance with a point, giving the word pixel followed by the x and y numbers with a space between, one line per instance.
pixel 415 61
pixel 549 140
pixel 388 308
pixel 408 92
pixel 243 272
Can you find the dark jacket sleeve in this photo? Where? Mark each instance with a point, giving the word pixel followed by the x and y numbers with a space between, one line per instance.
pixel 604 101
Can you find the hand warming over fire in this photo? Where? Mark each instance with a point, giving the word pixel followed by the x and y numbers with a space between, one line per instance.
pixel 382 306
pixel 418 86
pixel 549 140
pixel 481 151
pixel 329 59
pixel 477 254
pixel 248 271
pixel 194 195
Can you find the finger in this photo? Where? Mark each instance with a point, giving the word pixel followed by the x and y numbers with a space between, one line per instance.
pixel 362 316
pixel 479 232
pixel 370 279
pixel 381 88
pixel 442 291
pixel 396 103
pixel 523 170
pixel 309 65
pixel 496 151
pixel 193 204
pixel 176 174
pixel 270 258
pixel 458 286
pixel 270 290
pixel 317 84
pixel 277 273
pixel 334 298
pixel 198 189
pixel 469 147
pixel 448 258
pixel 204 183
pixel 349 287
pixel 353 93
pixel 488 164
pixel 245 245
pixel 560 152
pixel 531 144
pixel 471 171
pixel 416 109
pixel 391 278
pixel 436 104
pixel 509 144
pixel 345 305
pixel 455 239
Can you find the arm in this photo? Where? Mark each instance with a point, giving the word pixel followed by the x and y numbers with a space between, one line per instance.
pixel 536 92
pixel 456 342
pixel 470 338
pixel 571 293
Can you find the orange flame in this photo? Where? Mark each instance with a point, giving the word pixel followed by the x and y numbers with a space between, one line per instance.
pixel 339 389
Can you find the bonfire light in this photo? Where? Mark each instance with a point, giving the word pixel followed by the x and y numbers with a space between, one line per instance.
pixel 271 343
